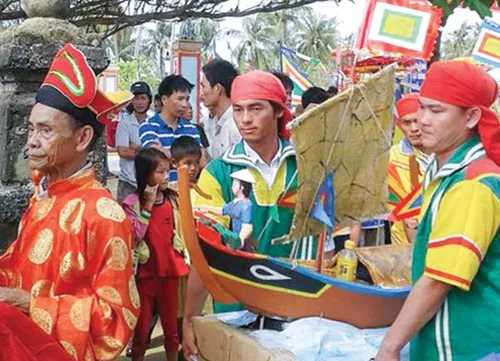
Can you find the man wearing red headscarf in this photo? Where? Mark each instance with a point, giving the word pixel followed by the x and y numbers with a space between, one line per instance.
pixel 456 259
pixel 407 163
pixel 260 113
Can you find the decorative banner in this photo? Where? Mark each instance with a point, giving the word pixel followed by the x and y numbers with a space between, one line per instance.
pixel 487 49
pixel 400 26
pixel 301 81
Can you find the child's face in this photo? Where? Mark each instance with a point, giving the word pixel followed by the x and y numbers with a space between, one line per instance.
pixel 160 175
pixel 192 163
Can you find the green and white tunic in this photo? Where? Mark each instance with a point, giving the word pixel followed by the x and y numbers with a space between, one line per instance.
pixel 458 243
pixel 273 206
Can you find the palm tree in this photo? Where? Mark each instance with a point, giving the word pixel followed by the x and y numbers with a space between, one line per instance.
pixel 121 44
pixel 460 43
pixel 258 42
pixel 156 44
pixel 315 34
pixel 205 29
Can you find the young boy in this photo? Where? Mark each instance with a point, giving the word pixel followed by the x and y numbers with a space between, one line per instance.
pixel 186 152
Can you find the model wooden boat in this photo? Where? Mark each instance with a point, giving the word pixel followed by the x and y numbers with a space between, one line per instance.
pixel 276 287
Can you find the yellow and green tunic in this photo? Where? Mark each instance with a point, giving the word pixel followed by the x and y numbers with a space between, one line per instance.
pixel 399 179
pixel 458 243
pixel 273 207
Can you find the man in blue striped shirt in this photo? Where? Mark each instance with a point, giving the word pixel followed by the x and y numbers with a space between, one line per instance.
pixel 161 130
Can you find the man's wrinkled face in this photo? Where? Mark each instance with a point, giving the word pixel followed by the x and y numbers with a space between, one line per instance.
pixel 177 103
pixel 411 129
pixel 256 119
pixel 140 102
pixel 53 139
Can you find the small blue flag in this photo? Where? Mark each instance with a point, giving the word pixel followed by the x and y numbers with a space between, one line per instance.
pixel 324 206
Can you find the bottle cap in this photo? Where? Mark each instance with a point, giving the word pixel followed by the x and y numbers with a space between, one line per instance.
pixel 349 245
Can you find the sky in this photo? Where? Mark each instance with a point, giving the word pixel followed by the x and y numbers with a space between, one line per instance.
pixel 349 16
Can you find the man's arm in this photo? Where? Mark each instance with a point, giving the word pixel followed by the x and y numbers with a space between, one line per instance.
pixel 422 304
pixel 209 209
pixel 196 297
pixel 246 232
pixel 128 153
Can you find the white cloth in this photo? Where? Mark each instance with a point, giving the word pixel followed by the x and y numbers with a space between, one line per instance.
pixel 222 133
pixel 268 171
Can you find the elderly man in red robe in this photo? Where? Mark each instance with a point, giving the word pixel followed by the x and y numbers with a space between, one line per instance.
pixel 70 269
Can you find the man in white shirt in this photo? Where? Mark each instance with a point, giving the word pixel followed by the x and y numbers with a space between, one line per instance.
pixel 222 133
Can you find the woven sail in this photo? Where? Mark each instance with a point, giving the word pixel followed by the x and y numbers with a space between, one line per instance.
pixel 351 136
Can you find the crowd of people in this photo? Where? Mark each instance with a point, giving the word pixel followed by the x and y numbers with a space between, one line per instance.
pixel 94 273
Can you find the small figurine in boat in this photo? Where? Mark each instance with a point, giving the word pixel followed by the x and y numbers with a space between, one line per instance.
pixel 239 209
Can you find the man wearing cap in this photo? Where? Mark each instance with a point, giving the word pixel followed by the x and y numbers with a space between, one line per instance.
pixel 456 259
pixel 260 113
pixel 70 268
pixel 127 137
pixel 407 163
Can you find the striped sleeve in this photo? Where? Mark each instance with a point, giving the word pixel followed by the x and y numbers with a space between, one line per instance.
pixel 190 129
pixel 465 225
pixel 148 134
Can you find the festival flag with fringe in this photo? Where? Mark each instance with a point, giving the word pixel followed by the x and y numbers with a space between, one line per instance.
pixel 487 48
pixel 289 67
pixel 408 27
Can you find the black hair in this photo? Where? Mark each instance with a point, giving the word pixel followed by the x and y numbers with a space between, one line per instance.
pixel 172 84
pixel 333 89
pixel 221 72
pixel 157 97
pixel 285 79
pixel 146 162
pixel 314 95
pixel 247 188
pixel 184 146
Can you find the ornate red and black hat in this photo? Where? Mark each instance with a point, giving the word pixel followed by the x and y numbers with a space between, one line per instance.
pixel 71 87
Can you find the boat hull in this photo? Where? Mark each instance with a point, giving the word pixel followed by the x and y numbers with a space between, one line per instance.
pixel 276 288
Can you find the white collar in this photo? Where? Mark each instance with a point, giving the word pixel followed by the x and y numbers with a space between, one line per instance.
pixel 255 157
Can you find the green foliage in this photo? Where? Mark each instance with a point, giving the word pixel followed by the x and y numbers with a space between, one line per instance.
pixel 303 29
pixel 143 69
pixel 482 7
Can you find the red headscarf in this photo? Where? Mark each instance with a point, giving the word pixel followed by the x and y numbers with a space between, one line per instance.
pixel 264 86
pixel 408 104
pixel 466 85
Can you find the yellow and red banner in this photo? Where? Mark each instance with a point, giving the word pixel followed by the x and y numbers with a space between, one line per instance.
pixel 487 49
pixel 400 26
